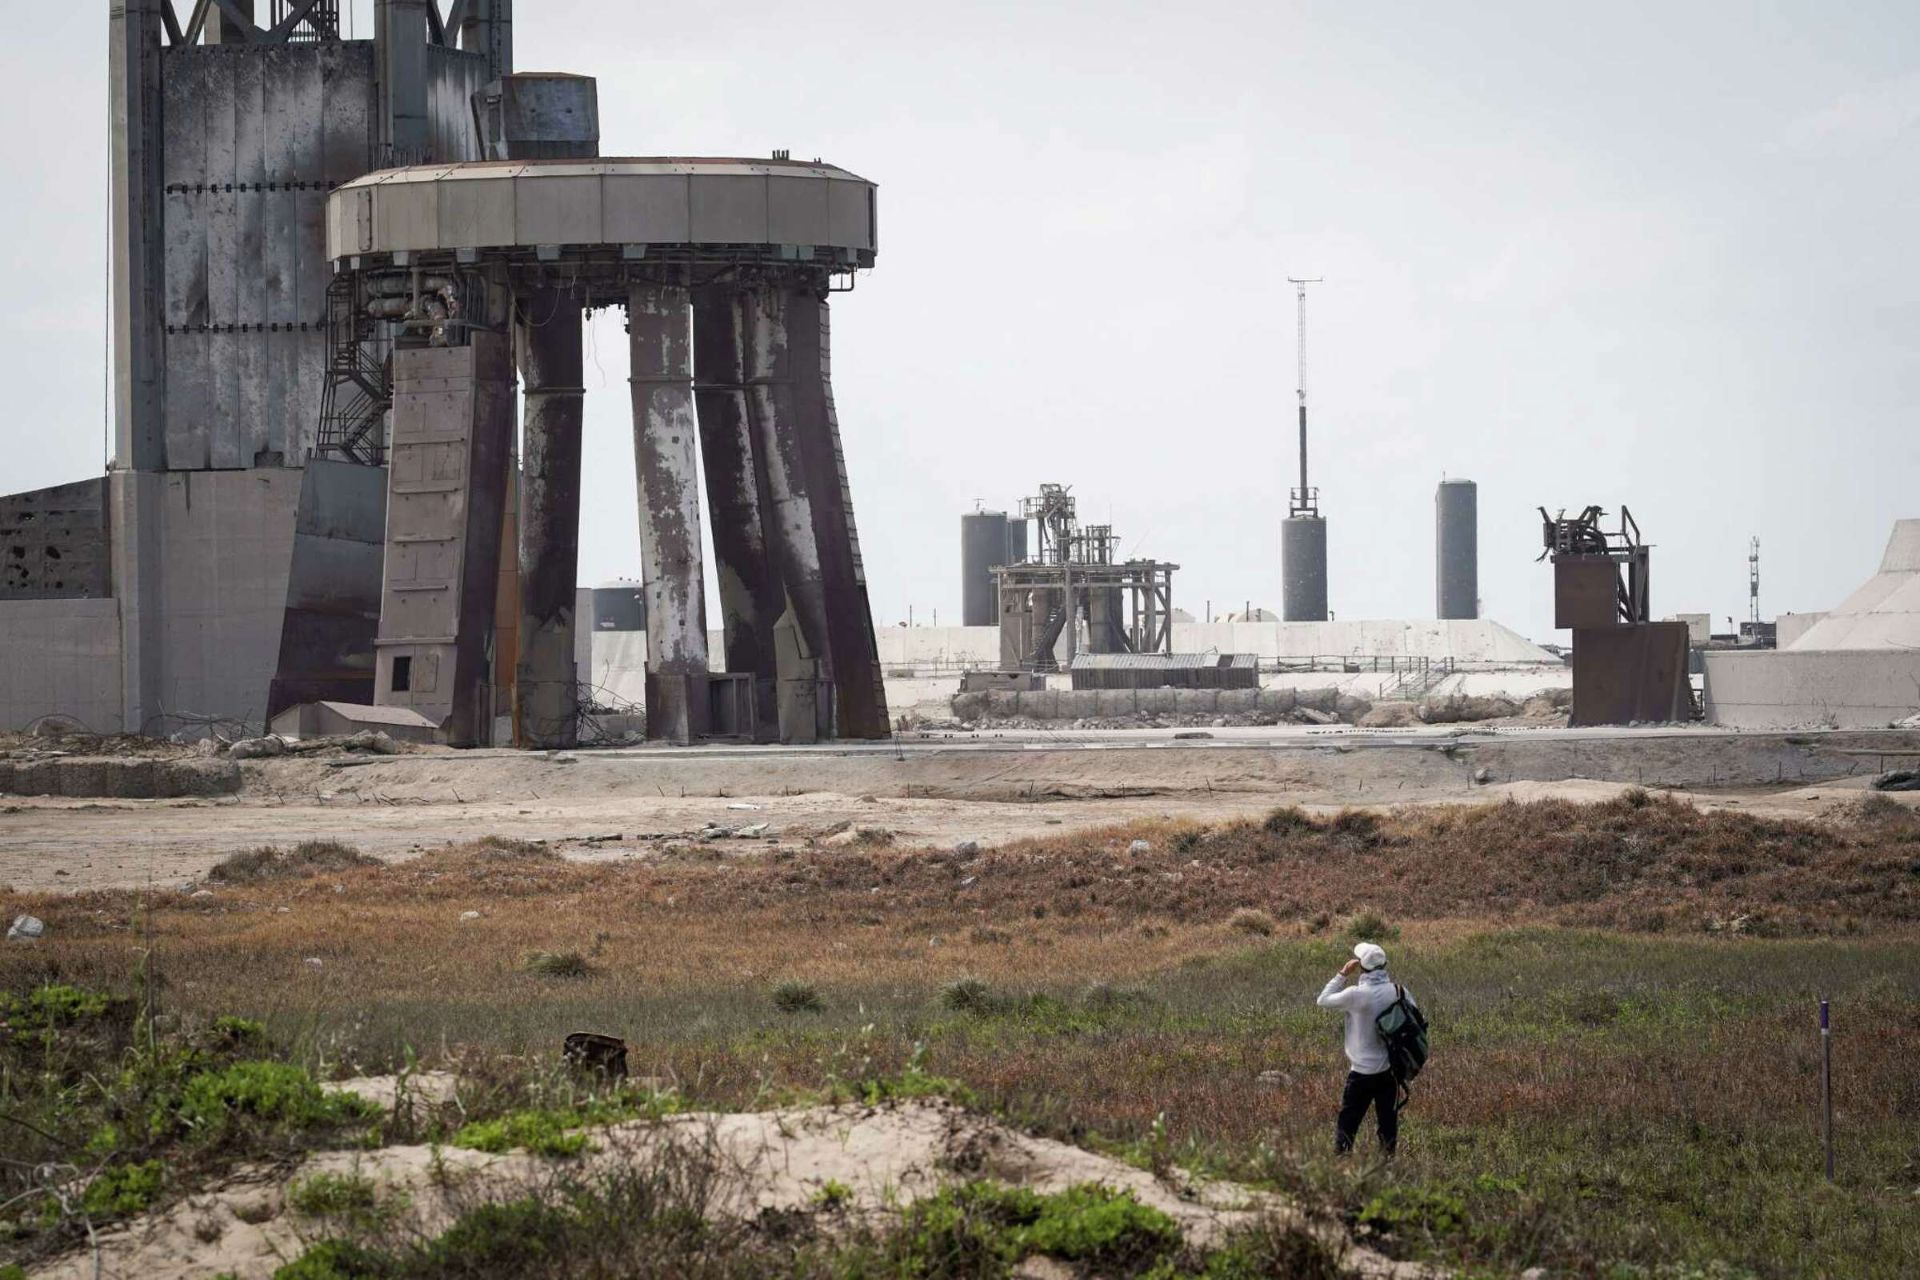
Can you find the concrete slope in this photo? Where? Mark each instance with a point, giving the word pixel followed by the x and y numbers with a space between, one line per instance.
pixel 1884 613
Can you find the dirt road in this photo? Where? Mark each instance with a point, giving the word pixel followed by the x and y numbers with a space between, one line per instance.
pixel 934 792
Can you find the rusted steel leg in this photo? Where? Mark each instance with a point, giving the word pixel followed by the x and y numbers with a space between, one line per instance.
pixel 546 708
pixel 665 445
pixel 751 600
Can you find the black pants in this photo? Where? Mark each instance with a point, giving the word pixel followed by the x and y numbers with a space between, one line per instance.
pixel 1378 1092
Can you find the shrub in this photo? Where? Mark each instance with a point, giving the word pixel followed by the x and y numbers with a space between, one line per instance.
pixel 1291 820
pixel 1421 1210
pixel 1357 825
pixel 971 995
pixel 308 858
pixel 338 1260
pixel 797 997
pixel 544 1133
pixel 275 1093
pixel 1251 920
pixel 333 1195
pixel 51 1006
pixel 1368 926
pixel 833 1196
pixel 557 964
pixel 123 1189
pixel 982 1228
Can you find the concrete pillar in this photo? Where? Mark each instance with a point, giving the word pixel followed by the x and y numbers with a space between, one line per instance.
pixel 134 110
pixel 405 133
pixel 452 437
pixel 751 598
pixel 773 407
pixel 859 691
pixel 546 707
pixel 488 31
pixel 665 443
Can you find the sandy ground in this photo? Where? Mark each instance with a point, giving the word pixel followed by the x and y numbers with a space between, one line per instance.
pixel 886 1157
pixel 615 804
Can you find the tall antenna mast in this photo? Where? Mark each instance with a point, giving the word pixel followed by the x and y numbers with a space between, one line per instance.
pixel 1305 501
pixel 1753 580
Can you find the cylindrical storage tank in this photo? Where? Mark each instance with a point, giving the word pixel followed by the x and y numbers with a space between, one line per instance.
pixel 983 546
pixel 619 606
pixel 1456 549
pixel 1303 569
pixel 1016 541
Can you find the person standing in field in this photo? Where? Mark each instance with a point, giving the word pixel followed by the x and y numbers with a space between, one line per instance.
pixel 1371 1082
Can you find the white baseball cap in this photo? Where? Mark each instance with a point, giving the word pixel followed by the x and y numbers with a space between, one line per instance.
pixel 1369 955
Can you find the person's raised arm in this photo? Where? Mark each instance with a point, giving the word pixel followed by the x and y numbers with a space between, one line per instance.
pixel 1332 996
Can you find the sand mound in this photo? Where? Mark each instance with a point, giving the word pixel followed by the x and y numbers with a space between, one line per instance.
pixel 886 1156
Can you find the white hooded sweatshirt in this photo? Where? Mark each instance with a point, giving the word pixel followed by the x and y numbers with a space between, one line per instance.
pixel 1363 1002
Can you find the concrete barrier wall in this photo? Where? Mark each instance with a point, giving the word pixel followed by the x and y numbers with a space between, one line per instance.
pixel 1092 704
pixel 1811 688
pixel 60 657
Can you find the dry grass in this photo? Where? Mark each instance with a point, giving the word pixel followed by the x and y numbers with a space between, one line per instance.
pixel 1650 1088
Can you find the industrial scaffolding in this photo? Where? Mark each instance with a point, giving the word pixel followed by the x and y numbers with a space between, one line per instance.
pixel 1125 606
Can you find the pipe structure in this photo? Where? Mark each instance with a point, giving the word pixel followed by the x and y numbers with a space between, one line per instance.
pixel 751 598
pixel 546 697
pixel 665 445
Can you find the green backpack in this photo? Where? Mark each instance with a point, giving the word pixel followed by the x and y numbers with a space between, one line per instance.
pixel 1404 1029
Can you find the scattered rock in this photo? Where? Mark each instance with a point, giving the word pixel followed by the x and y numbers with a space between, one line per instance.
pixel 373 741
pixel 1390 715
pixel 1462 708
pixel 257 748
pixel 313 962
pixel 1275 1079
pixel 26 929
pixel 1483 776
pixel 743 805
pixel 1140 847
pixel 1897 780
pixel 201 893
pixel 469 915
pixel 1308 715
pixel 967 847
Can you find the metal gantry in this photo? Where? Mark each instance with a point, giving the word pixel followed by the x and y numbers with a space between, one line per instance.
pixel 1076 580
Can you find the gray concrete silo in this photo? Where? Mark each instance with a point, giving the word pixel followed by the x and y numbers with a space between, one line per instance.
pixel 983 545
pixel 1303 569
pixel 1456 549
pixel 1016 541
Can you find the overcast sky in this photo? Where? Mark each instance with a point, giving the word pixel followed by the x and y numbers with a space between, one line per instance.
pixel 1655 253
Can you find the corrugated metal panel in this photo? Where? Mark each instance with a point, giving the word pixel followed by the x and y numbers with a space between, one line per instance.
pixel 253 137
